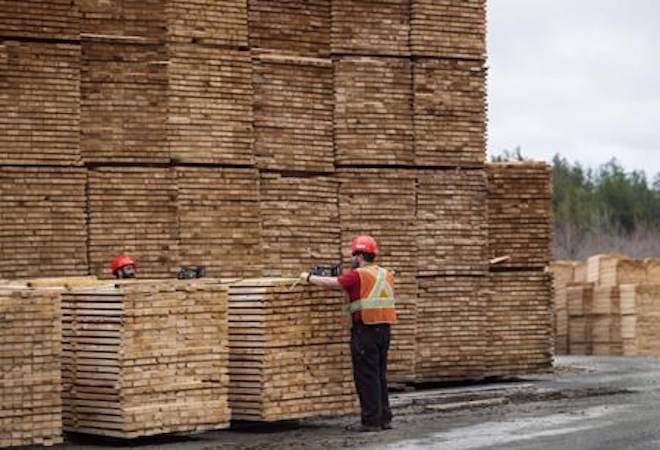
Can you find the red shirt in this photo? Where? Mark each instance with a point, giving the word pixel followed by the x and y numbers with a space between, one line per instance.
pixel 350 281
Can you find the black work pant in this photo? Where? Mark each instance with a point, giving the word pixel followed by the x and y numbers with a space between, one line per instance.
pixel 369 345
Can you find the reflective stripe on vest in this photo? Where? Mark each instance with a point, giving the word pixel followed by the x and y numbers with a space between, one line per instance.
pixel 376 306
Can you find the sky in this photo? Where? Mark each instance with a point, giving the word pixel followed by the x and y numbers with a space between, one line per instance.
pixel 576 77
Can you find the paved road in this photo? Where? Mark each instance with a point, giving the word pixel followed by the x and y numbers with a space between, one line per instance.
pixel 589 403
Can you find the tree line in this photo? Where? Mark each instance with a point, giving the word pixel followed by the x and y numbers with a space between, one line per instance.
pixel 607 209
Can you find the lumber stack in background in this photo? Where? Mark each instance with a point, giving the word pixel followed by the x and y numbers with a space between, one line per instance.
pixel 452 329
pixel 144 358
pixel 218 214
pixel 30 362
pixel 42 221
pixel 299 223
pixel 123 102
pixel 297 28
pixel 37 19
pixel 289 352
pixel 519 323
pixel 449 98
pixel 563 272
pixel 132 210
pixel 293 107
pixel 368 27
pixel 381 203
pixel 520 214
pixel 373 111
pixel 40 103
pixel 640 312
pixel 448 28
pixel 579 298
pixel 451 223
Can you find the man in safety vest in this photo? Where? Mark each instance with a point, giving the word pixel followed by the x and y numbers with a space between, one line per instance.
pixel 371 292
pixel 123 266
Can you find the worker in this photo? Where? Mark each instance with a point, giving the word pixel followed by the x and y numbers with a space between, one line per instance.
pixel 123 266
pixel 370 289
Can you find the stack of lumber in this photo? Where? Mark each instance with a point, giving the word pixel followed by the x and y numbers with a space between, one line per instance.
pixel 132 210
pixel 293 107
pixel 448 28
pixel 30 377
pixel 368 27
pixel 381 203
pixel 219 220
pixel 209 105
pixel 452 227
pixel 563 272
pixel 40 103
pixel 640 309
pixel 604 321
pixel 613 269
pixel 42 222
pixel 299 223
pixel 297 27
pixel 519 323
pixel 145 358
pixel 373 111
pixel 205 22
pixel 452 337
pixel 520 214
pixel 652 270
pixel 579 297
pixel 289 352
pixel 449 112
pixel 126 20
pixel 123 103
pixel 59 19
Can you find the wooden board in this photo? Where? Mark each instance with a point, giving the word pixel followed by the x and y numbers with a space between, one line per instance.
pixel 293 107
pixel 129 20
pixel 145 358
pixel 30 377
pixel 40 105
pixel 289 352
pixel 640 306
pixel 42 222
pixel 218 214
pixel 132 210
pixel 368 27
pixel 373 111
pixel 448 28
pixel 449 99
pixel 520 214
pixel 208 22
pixel 299 223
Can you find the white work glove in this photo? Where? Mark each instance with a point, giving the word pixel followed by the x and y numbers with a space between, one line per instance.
pixel 304 277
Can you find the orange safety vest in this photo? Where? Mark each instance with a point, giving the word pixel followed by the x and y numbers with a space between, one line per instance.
pixel 376 303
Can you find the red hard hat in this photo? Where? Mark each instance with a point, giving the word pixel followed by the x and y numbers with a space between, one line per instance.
pixel 121 261
pixel 365 244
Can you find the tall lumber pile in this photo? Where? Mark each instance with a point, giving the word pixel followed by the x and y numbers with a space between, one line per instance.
pixel 42 221
pixel 218 213
pixel 519 331
pixel 132 210
pixel 145 358
pixel 299 223
pixel 290 355
pixel 618 306
pixel 40 102
pixel 519 291
pixel 30 377
pixel 388 214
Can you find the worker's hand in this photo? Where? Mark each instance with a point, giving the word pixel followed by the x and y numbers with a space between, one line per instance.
pixel 304 277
